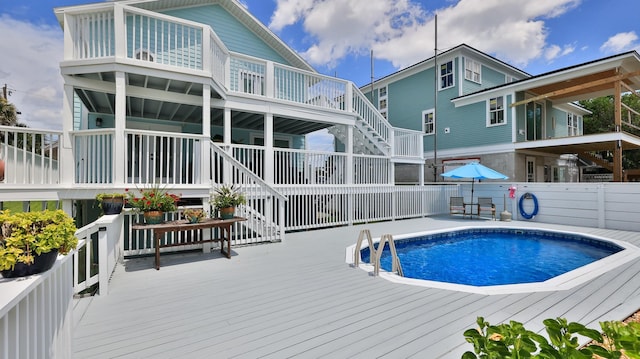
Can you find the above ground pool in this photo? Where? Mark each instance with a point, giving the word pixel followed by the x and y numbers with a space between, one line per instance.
pixel 490 257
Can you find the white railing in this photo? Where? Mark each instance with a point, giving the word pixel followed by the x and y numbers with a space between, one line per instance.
pixel 300 86
pixel 162 158
pixel 323 206
pixel 407 143
pixel 99 250
pixel 93 156
pixel 371 170
pixel 308 167
pixel 251 157
pixel 93 34
pixel 265 205
pixel 163 39
pixel 36 313
pixel 147 36
pixel 371 116
pixel 247 75
pixel 30 156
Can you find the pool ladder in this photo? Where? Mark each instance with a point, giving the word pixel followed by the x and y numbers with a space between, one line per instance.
pixel 377 254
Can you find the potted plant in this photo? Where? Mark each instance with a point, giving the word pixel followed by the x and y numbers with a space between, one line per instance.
pixel 110 203
pixel 225 199
pixel 31 241
pixel 152 202
pixel 193 215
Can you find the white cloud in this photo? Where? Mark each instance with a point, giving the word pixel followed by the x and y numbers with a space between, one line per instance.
pixel 553 52
pixel 402 32
pixel 30 67
pixel 623 41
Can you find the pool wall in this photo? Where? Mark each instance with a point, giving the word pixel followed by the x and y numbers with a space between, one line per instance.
pixel 561 282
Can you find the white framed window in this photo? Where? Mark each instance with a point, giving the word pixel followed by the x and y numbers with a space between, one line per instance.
pixel 251 82
pixel 572 124
pixel 472 70
pixel 446 75
pixel 382 92
pixel 428 122
pixel 383 104
pixel 495 108
pixel 384 114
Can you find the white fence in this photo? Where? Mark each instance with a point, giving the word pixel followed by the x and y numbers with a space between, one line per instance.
pixel 29 156
pixel 599 205
pixel 36 314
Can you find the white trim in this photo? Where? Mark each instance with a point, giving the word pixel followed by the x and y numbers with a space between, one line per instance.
pixel 424 112
pixel 503 109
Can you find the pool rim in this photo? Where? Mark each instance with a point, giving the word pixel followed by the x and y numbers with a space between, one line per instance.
pixel 563 281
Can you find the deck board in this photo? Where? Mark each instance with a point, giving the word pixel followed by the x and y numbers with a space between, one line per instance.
pixel 299 299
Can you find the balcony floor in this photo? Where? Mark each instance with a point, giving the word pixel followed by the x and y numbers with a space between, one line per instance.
pixel 300 299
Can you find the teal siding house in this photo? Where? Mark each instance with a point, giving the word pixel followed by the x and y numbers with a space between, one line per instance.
pixel 474 107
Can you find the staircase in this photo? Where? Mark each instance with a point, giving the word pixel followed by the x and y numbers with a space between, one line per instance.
pixel 597 159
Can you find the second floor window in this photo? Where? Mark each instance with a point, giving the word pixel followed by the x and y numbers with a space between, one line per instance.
pixel 428 122
pixel 496 111
pixel 572 124
pixel 446 75
pixel 472 70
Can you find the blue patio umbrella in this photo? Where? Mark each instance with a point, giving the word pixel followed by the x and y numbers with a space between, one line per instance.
pixel 475 171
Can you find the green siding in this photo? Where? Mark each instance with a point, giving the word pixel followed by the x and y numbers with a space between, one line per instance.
pixel 491 77
pixel 232 32
pixel 408 97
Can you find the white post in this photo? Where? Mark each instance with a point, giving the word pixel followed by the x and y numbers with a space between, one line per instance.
pixel 69 36
pixel 120 120
pixel 205 148
pixel 103 266
pixel 119 31
pixel 67 162
pixel 268 164
pixel 269 75
pixel 349 172
pixel 227 144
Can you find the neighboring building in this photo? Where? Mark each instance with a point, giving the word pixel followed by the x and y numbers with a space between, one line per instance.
pixel 528 127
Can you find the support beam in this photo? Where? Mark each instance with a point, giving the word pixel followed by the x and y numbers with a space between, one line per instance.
pixel 567 90
pixel 617 119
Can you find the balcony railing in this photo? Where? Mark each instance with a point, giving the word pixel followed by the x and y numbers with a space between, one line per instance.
pixel 156 40
pixel 29 156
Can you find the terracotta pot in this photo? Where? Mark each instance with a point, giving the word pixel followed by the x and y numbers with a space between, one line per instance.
pixel 1 170
pixel 41 263
pixel 153 217
pixel 227 213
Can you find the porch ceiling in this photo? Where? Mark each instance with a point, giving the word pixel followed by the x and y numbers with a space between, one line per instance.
pixel 162 108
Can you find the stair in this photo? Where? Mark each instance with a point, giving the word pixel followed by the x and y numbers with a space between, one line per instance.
pixel 598 160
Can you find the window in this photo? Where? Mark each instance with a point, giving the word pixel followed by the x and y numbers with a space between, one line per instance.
pixel 446 75
pixel 572 124
pixel 383 104
pixel 383 92
pixel 428 122
pixel 496 111
pixel 472 70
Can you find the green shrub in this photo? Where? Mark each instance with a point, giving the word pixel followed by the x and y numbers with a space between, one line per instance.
pixel 513 340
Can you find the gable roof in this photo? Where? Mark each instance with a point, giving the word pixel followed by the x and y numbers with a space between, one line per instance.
pixel 232 6
pixel 583 81
pixel 462 48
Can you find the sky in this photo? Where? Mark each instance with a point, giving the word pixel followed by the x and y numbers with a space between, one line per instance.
pixel 337 36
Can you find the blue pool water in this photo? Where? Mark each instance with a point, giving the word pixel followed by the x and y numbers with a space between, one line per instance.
pixel 484 257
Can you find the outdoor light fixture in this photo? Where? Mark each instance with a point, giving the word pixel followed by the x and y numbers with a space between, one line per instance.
pixel 99 121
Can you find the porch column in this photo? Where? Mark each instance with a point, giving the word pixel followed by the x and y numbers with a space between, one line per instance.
pixel 205 148
pixel 205 157
pixel 268 167
pixel 349 172
pixel 119 155
pixel 226 142
pixel 617 119
pixel 67 161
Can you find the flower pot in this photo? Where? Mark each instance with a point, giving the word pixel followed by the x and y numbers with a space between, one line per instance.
pixel 227 213
pixel 112 205
pixel 41 263
pixel 153 217
pixel 2 165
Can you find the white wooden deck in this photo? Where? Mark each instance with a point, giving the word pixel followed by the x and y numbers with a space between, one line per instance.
pixel 300 299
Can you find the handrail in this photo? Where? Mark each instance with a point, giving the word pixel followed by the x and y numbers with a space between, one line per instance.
pixel 395 261
pixel 376 254
pixel 218 150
